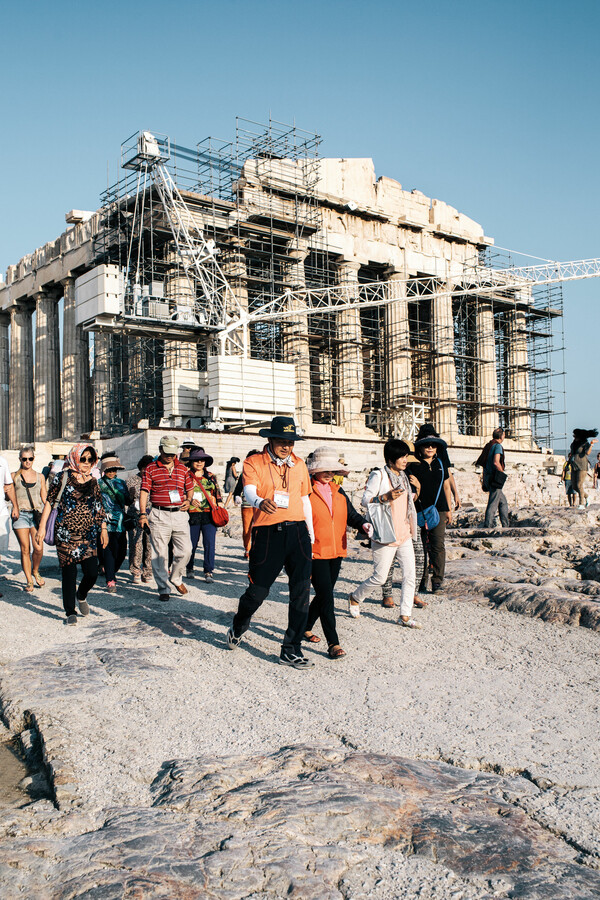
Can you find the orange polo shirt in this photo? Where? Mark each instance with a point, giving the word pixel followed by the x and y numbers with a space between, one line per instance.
pixel 267 477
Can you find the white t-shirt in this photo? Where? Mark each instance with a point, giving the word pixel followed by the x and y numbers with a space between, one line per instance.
pixel 5 478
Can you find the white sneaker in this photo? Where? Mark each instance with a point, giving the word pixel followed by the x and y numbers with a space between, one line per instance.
pixel 353 607
pixel 581 506
pixel 409 624
pixel 208 577
pixel 137 579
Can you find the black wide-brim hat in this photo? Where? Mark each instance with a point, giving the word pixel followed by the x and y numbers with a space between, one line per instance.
pixel 283 428
pixel 437 441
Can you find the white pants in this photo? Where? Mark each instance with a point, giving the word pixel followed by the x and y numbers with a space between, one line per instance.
pixel 5 521
pixel 383 556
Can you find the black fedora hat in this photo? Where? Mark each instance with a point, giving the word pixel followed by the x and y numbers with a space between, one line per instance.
pixel 282 427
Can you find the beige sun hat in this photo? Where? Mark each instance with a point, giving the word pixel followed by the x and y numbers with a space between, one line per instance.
pixel 110 462
pixel 325 459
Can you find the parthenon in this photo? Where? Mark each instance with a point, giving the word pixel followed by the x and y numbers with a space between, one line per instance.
pixel 115 287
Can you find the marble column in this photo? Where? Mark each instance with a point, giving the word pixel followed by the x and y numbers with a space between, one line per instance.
pixel 444 369
pixel 76 370
pixel 101 380
pixel 295 338
pixel 398 379
pixel 487 386
pixel 47 412
pixel 350 386
pixel 519 415
pixel 4 369
pixel 20 429
pixel 235 269
pixel 179 291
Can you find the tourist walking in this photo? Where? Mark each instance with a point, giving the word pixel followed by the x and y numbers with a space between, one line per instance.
pixel 388 499
pixel 493 481
pixel 277 484
pixel 332 514
pixel 7 492
pixel 231 478
pixel 433 507
pixel 567 478
pixel 206 497
pixel 30 491
pixel 597 473
pixel 80 521
pixel 115 497
pixel 247 509
pixel 168 484
pixel 579 452
pixel 186 448
pixel 140 550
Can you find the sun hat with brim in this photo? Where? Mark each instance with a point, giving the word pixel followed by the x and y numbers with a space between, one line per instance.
pixel 110 462
pixel 198 454
pixel 325 459
pixel 283 428
pixel 169 444
pixel 436 441
pixel 188 443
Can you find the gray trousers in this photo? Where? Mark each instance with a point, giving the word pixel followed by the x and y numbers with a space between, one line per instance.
pixel 496 504
pixel 164 526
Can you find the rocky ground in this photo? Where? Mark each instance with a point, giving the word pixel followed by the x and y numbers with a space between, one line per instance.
pixel 460 761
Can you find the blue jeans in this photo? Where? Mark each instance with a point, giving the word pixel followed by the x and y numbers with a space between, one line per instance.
pixel 209 534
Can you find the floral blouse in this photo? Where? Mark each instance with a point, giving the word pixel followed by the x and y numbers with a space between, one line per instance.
pixel 79 518
pixel 115 497
pixel 209 483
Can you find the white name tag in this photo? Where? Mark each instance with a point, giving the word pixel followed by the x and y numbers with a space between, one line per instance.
pixel 282 499
pixel 175 496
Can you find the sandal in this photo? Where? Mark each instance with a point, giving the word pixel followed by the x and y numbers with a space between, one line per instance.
pixel 335 651
pixel 311 638
pixel 420 604
pixel 38 579
pixel 29 587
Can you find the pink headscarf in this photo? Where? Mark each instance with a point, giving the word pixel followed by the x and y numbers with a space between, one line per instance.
pixel 74 457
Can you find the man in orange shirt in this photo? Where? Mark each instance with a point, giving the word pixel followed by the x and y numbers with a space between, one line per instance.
pixel 277 485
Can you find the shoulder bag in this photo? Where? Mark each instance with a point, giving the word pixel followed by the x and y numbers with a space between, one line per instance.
pixel 218 514
pixel 37 516
pixel 50 539
pixel 429 517
pixel 380 517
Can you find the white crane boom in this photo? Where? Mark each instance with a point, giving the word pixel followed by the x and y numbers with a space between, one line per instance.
pixel 480 281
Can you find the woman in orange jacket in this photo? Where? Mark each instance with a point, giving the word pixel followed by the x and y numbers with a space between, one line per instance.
pixel 332 513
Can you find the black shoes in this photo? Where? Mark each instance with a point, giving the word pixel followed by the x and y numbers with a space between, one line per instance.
pixel 436 587
pixel 294 660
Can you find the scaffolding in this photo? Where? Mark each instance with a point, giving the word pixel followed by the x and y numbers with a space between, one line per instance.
pixel 257 198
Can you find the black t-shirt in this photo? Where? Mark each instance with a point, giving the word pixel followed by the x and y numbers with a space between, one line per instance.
pixel 429 478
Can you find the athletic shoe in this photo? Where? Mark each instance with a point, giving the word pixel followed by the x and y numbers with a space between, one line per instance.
pixel 232 640
pixel 295 661
pixel 436 587
pixel 72 620
pixel 410 624
pixel 164 597
pixel 208 577
pixel 137 579
pixel 353 607
pixel 111 587
pixel 84 607
pixel 146 579
pixel 581 506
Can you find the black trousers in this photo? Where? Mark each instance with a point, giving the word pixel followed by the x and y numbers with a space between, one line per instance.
pixel 435 549
pixel 89 568
pixel 324 576
pixel 111 557
pixel 276 547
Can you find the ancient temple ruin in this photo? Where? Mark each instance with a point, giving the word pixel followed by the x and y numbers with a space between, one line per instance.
pixel 426 339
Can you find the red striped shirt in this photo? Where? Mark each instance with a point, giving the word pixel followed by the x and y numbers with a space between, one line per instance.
pixel 157 481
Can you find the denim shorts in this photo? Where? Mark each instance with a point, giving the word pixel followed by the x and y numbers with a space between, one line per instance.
pixel 25 519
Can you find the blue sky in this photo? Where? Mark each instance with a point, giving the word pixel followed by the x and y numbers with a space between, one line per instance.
pixel 489 107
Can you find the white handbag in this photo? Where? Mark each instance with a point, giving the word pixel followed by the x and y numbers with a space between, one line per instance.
pixel 380 517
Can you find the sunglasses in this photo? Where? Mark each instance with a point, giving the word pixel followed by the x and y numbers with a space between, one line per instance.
pixel 27 459
pixel 429 446
pixel 107 471
pixel 86 459
pixel 169 454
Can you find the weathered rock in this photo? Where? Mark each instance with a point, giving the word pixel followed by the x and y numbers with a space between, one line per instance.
pixel 296 823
